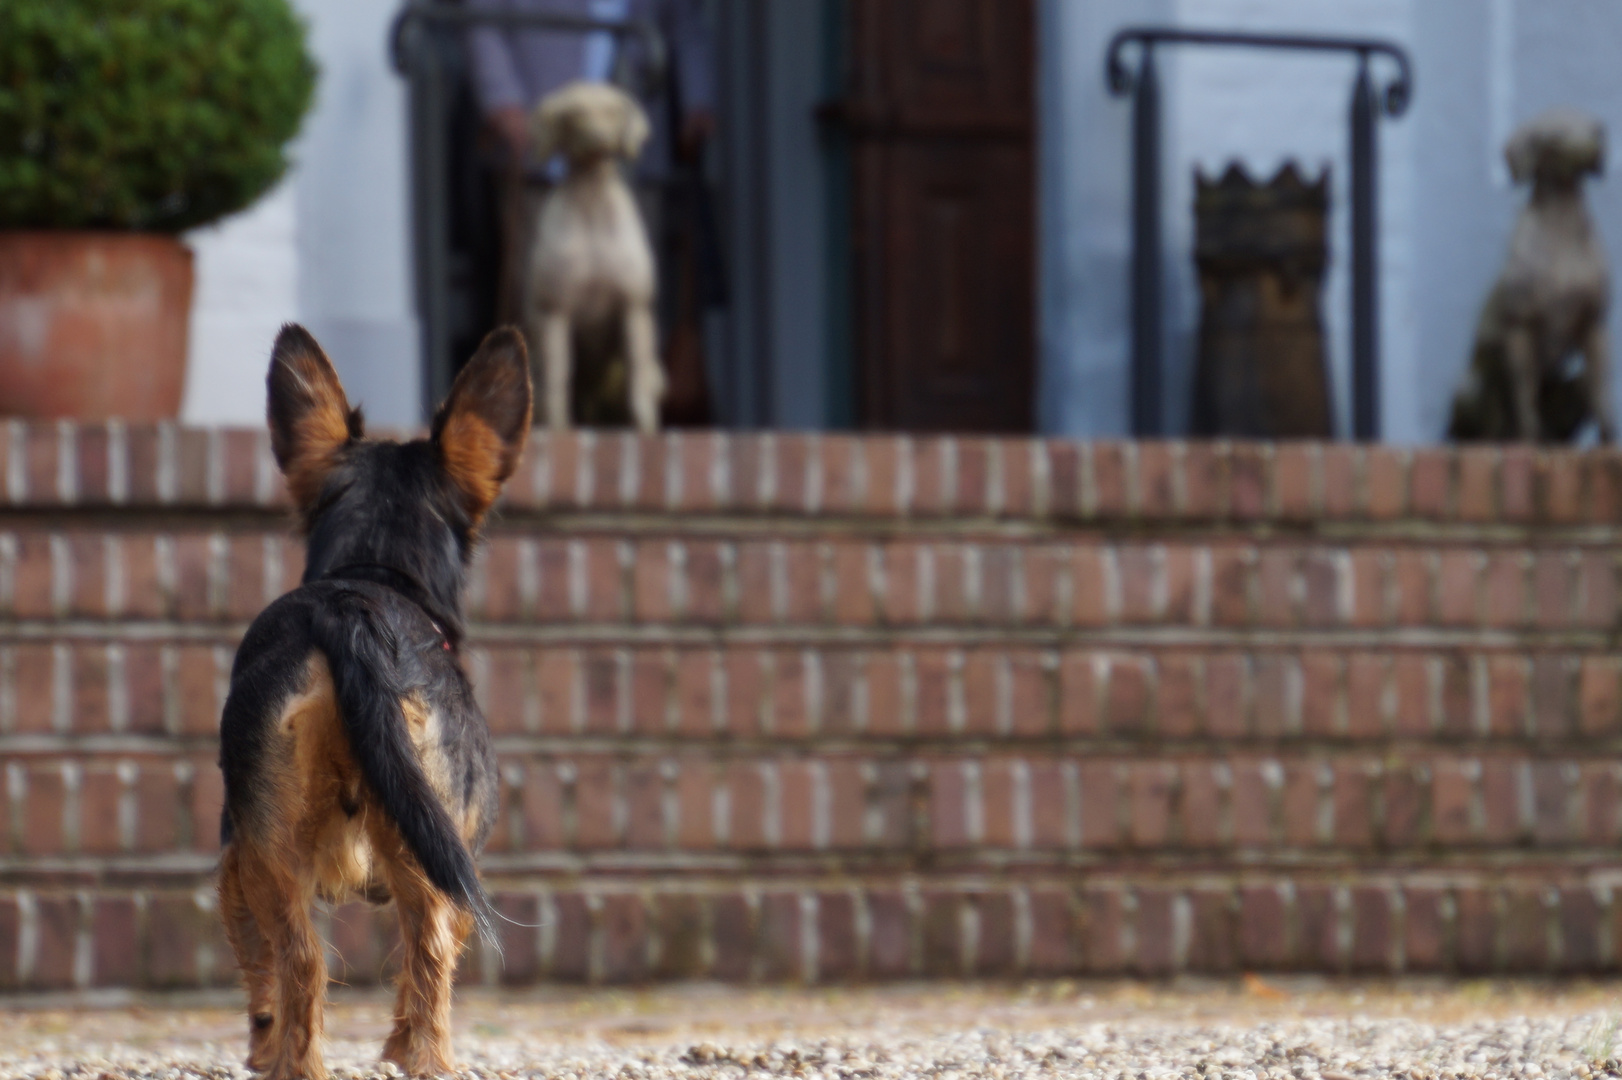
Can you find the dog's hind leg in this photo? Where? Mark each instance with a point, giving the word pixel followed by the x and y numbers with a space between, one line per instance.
pixel 1597 350
pixel 431 932
pixel 280 905
pixel 552 338
pixel 647 377
pixel 253 957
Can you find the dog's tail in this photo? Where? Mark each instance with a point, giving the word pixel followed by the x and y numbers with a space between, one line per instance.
pixel 349 628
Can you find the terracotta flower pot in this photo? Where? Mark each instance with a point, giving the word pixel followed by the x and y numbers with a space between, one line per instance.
pixel 93 324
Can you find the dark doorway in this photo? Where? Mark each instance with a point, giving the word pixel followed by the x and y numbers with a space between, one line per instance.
pixel 941 120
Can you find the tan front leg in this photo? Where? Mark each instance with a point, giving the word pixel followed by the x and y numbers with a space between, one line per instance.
pixel 552 336
pixel 647 377
pixel 1520 353
pixel 1597 353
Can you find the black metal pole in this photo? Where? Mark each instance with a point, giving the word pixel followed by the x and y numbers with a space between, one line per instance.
pixel 1146 328
pixel 1365 259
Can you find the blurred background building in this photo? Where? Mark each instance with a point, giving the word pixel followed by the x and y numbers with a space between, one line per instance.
pixel 332 246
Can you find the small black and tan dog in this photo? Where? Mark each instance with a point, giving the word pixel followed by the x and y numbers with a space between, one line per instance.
pixel 356 762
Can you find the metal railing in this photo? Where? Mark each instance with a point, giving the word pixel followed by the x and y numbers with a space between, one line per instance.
pixel 1367 104
pixel 420 40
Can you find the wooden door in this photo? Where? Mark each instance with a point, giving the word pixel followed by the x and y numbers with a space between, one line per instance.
pixel 941 117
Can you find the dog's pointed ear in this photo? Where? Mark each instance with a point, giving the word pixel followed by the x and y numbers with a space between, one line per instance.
pixel 481 428
pixel 309 417
pixel 1520 154
pixel 543 129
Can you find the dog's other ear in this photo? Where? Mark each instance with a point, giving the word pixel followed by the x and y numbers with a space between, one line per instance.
pixel 310 419
pixel 481 428
pixel 543 129
pixel 633 128
pixel 1521 155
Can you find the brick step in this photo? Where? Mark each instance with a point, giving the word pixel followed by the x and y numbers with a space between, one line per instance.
pixel 702 810
pixel 146 697
pixel 886 928
pixel 530 575
pixel 122 466
pixel 140 694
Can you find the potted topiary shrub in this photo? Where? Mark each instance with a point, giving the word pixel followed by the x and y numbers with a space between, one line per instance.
pixel 122 124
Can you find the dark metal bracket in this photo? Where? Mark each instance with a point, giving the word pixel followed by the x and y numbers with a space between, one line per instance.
pixel 417 54
pixel 1368 102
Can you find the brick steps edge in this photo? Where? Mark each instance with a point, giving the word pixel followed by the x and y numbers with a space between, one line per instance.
pixel 830 932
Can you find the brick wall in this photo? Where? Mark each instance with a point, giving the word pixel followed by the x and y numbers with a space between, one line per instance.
pixel 784 707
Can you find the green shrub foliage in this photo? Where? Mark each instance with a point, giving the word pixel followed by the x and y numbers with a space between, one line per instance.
pixel 145 114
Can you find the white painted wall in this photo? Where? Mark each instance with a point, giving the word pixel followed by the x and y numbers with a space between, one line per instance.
pixel 1482 66
pixel 330 247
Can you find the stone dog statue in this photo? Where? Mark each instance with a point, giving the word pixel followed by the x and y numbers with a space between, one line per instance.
pixel 1549 303
pixel 591 274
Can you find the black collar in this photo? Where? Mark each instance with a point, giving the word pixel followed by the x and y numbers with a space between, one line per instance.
pixel 449 625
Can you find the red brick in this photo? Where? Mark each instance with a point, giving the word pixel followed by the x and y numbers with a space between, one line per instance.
pixel 1410 679
pixel 1476 931
pixel 1453 792
pixel 44 811
pixel 1425 946
pixel 1385 482
pixel 1525 929
pixel 1367 677
pixel 1155 932
pixel 1206 479
pixel 1177 702
pixel 838 956
pixel 1293 467
pixel 1154 787
pixel 1559 486
pixel 1323 704
pixel 1064 479
pixel 889 952
pixel 624 923
pixel 1103 930
pixel 1213 941
pixel 644 798
pixel 1516 480
pixel 571 955
pixel 1254 819
pixel 1596 590
pixel 1078 694
pixel 1477 483
pixel 1232 573
pixel 1100 805
pixel 1354 812
pixel 1250 469
pixel 1127 700
pixel 520 944
pixel 1580 919
pixel 678 926
pixel 695 784
pixel 115 941
pixel 1264 919
pixel 1553 688
pixel 1110 478
pixel 594 794
pixel 1430 482
pixel 1501 799
pixel 1054 948
pixel 1090 604
pixel 1341 463
pixel 57 921
pixel 1298 814
pixel 1317 936
pixel 1275 578
pixel 1508 695
pixel 1204 805
pixel 157 808
pixel 1601 802
pixel 995 954
pixel 173 925
pixel 1227 693
pixel 1373 929
pixel 1552 798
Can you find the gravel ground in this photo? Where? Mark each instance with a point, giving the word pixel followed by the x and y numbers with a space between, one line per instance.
pixel 1251 1030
